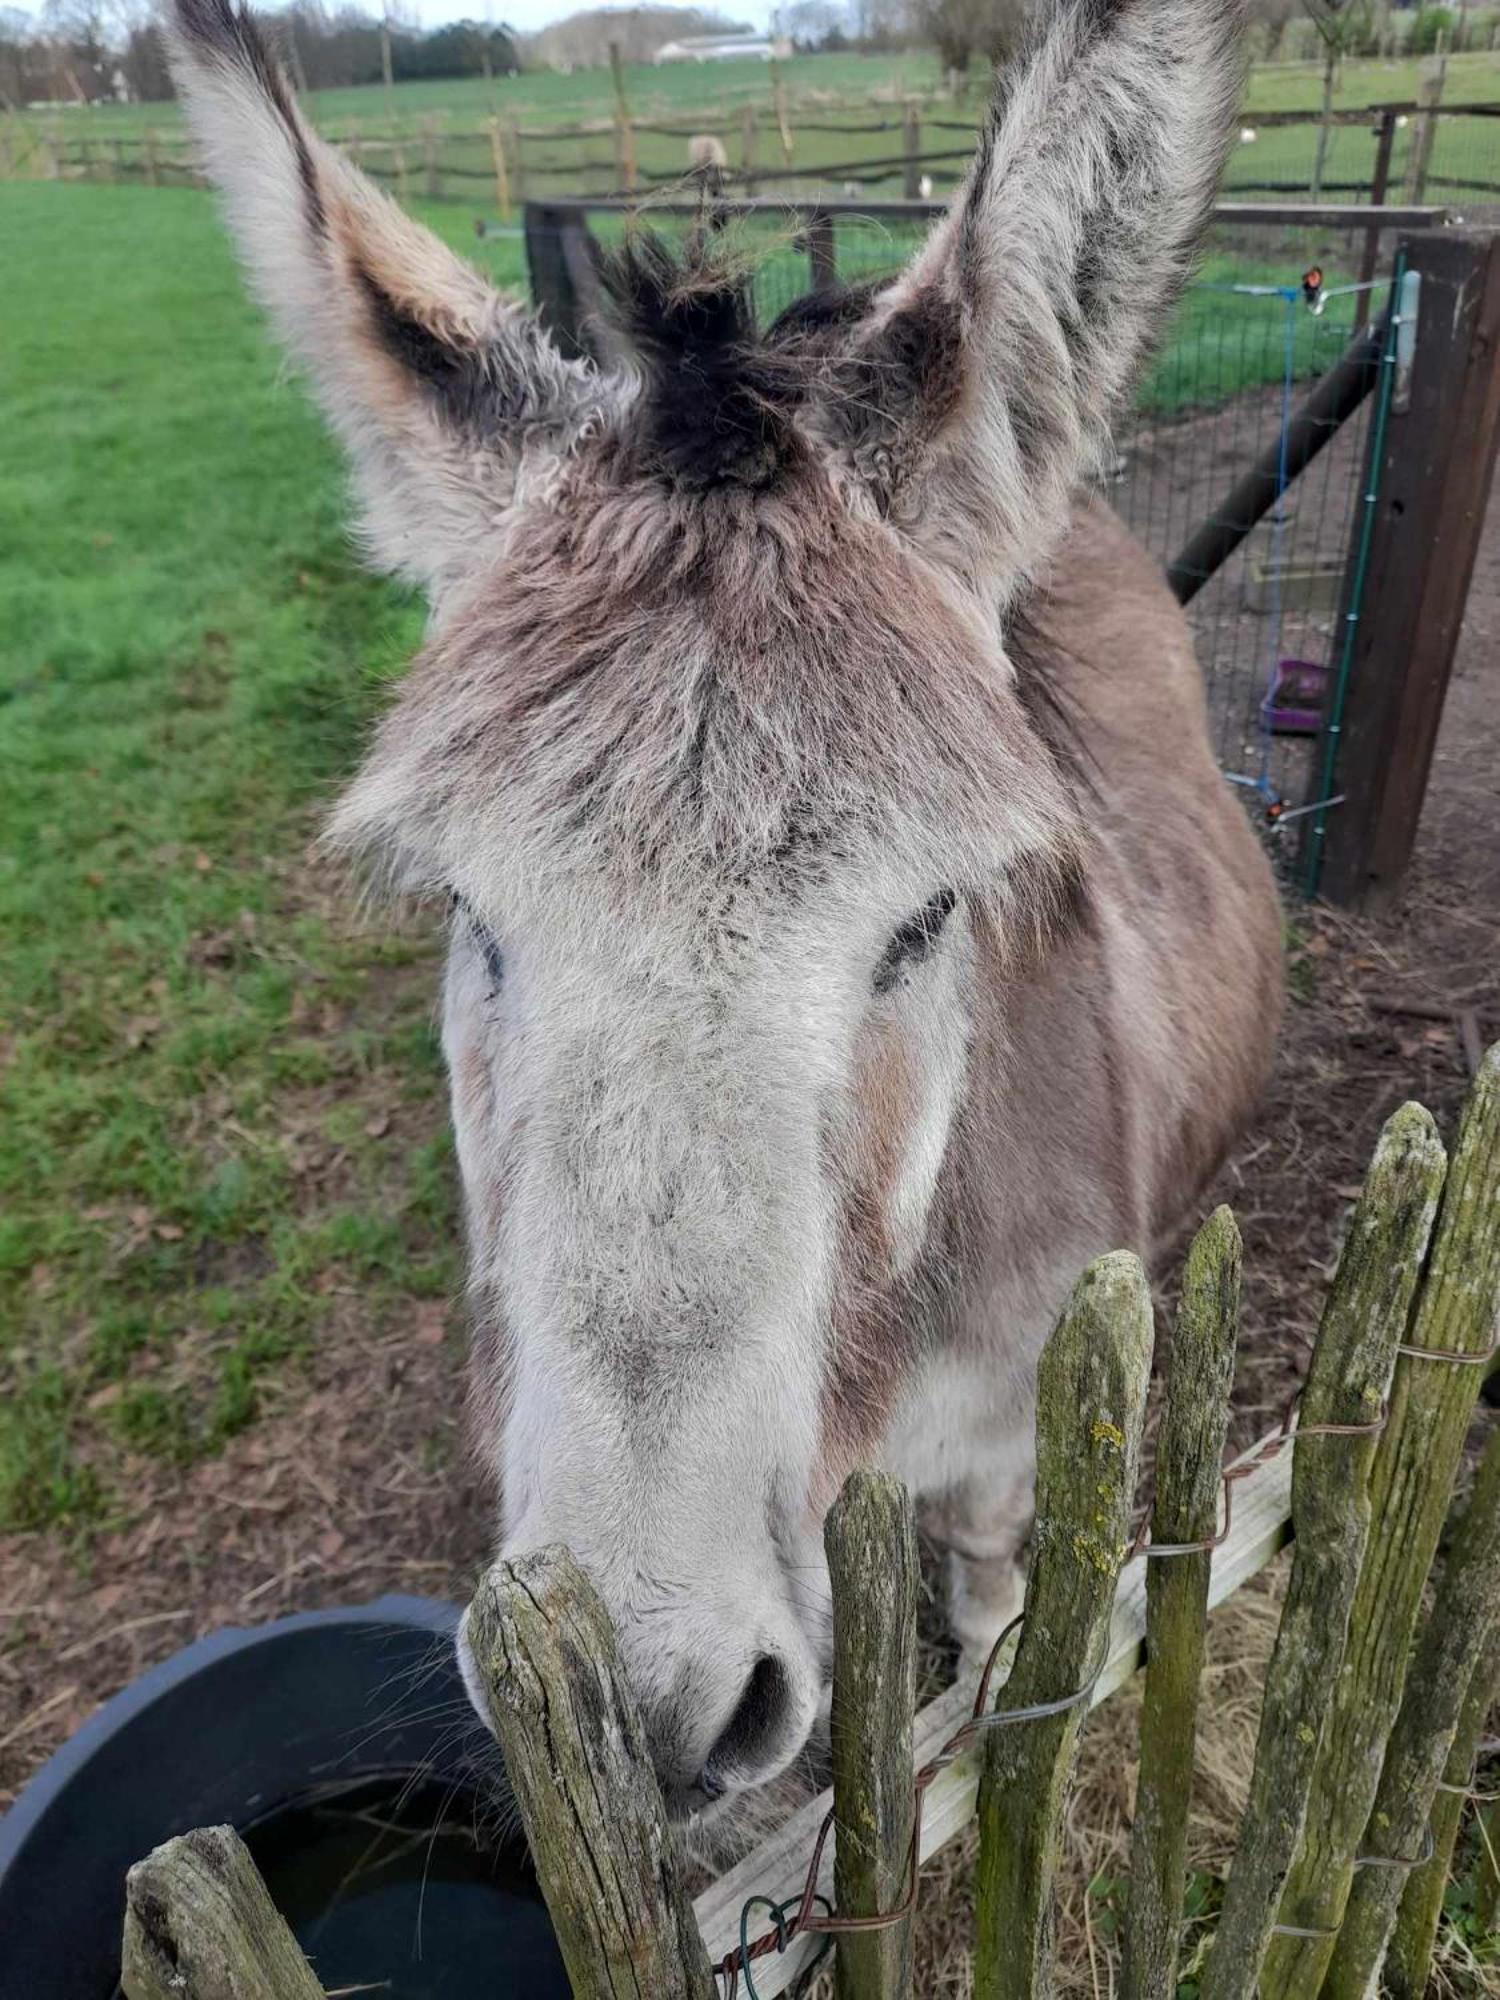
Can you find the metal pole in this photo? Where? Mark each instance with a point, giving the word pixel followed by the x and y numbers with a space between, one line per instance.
pixel 1336 396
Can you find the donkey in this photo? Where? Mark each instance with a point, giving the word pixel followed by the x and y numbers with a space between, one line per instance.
pixel 851 935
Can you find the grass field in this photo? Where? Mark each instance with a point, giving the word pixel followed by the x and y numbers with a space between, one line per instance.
pixel 191 654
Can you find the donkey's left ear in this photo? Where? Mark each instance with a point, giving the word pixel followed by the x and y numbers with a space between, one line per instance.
pixel 436 384
pixel 979 388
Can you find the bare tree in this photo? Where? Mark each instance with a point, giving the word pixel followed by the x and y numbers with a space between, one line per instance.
pixel 1343 26
pixel 961 29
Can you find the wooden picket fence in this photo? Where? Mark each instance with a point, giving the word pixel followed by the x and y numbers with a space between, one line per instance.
pixel 1371 1716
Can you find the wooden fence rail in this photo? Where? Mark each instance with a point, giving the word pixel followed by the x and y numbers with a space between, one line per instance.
pixel 623 153
pixel 1408 1328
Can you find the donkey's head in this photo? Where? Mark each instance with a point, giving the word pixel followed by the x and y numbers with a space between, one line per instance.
pixel 739 799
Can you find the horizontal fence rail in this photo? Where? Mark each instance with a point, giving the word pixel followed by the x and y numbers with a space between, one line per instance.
pixel 1411 148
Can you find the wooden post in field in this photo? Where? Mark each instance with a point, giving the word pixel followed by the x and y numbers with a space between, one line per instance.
pixel 749 146
pixel 433 179
pixel 1091 1403
pixel 575 1749
pixel 1449 1652
pixel 354 145
pixel 502 176
pixel 911 146
pixel 1188 1482
pixel 873 1566
pixel 1409 1960
pixel 1431 471
pixel 1431 1405
pixel 152 172
pixel 398 160
pixel 513 138
pixel 624 130
pixel 1419 159
pixel 822 254
pixel 1351 1364
pixel 199 1925
pixel 783 119
pixel 1380 181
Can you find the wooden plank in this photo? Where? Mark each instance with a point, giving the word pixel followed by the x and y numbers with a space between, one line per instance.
pixel 1188 1483
pixel 200 1925
pixel 577 1756
pixel 1363 1319
pixel 876 1576
pixel 1449 1653
pixel 1433 481
pixel 1409 1960
pixel 1431 1405
pixel 1092 1382
pixel 1260 1528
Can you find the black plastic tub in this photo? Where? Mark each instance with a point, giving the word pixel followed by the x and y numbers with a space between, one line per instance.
pixel 341 1745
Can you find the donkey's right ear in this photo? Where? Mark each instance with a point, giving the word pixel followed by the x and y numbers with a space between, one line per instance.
pixel 437 385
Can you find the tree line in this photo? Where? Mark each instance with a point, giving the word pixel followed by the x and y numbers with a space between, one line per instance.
pixel 85 51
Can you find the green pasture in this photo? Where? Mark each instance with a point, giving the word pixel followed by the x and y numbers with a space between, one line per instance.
pixel 217 1089
pixel 194 1035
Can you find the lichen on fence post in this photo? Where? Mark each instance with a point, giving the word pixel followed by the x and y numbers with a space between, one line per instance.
pixel 1351 1364
pixel 1188 1481
pixel 871 1539
pixel 575 1750
pixel 1452 1644
pixel 200 1925
pixel 1431 1404
pixel 1091 1402
pixel 1409 1959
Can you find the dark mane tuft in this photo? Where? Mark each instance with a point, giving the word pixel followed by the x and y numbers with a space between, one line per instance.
pixel 718 399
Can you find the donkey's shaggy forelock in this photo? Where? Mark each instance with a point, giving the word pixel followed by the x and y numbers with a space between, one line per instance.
pixel 851 934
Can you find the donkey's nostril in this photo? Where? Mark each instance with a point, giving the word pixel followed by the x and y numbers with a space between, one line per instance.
pixel 755 1735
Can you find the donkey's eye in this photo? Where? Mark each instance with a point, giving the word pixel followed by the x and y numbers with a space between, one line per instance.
pixel 914 940
pixel 489 950
pixel 485 939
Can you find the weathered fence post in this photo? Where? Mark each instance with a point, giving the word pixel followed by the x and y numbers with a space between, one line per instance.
pixel 783 120
pixel 822 254
pixel 432 178
pixel 150 155
pixel 911 146
pixel 1431 1404
pixel 871 1539
pixel 1380 181
pixel 1188 1479
pixel 1448 1654
pixel 624 130
pixel 1351 1365
pixel 513 138
pixel 1410 1957
pixel 576 1753
pixel 559 261
pixel 502 177
pixel 199 1925
pixel 1431 472
pixel 1419 158
pixel 749 142
pixel 1091 1403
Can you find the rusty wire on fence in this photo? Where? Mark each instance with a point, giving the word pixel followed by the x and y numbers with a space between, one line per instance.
pixel 805 1920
